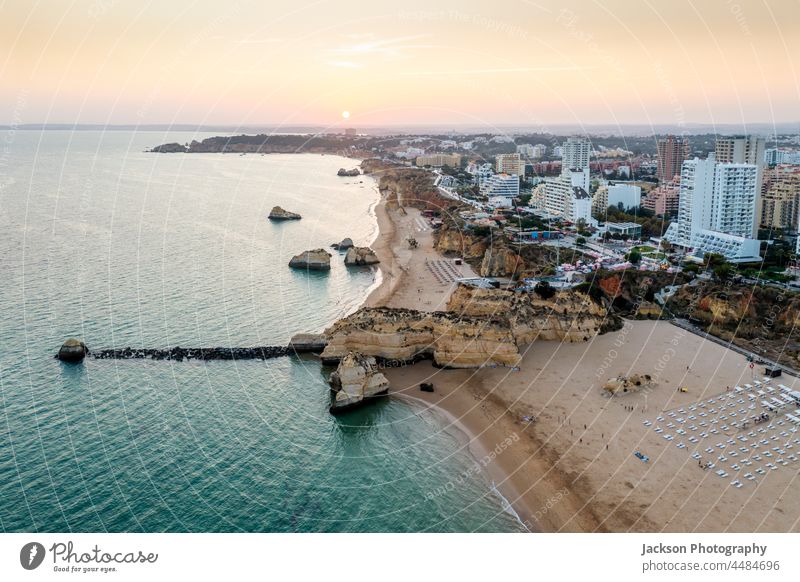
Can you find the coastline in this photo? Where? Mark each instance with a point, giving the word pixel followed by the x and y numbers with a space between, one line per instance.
pixel 573 468
pixel 460 399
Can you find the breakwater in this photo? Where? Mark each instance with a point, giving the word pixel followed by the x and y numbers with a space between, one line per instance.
pixel 180 354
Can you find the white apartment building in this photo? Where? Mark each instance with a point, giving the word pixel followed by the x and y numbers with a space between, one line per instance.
pixel 717 209
pixel 481 172
pixel 501 185
pixel 539 151
pixel 575 161
pixel 510 164
pixel 626 194
pixel 525 149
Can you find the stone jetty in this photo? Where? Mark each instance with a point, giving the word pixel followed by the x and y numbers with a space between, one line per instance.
pixel 179 354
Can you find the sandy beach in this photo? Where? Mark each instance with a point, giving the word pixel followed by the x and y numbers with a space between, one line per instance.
pixel 562 452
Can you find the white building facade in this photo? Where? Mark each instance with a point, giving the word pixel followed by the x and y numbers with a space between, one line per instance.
pixel 717 209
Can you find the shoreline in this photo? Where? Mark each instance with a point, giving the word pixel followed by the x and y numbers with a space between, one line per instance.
pixel 573 468
pixel 458 405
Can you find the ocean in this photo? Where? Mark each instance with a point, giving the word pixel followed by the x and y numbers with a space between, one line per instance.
pixel 102 241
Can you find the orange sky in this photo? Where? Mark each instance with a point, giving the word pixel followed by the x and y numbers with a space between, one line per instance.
pixel 473 62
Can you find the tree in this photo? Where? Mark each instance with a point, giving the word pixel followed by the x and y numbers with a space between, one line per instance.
pixel 544 290
pixel 691 268
pixel 580 241
pixel 666 246
pixel 634 257
pixel 713 260
pixel 723 271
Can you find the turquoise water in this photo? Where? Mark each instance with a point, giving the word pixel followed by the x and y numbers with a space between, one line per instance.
pixel 102 241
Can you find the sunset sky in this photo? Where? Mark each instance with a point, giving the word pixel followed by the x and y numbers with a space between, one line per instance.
pixel 461 62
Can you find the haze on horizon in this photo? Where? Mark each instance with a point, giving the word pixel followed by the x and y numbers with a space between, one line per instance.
pixel 531 63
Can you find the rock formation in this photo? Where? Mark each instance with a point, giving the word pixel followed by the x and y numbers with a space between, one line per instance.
pixel 360 256
pixel 346 243
pixel 343 172
pixel 356 380
pixel 278 213
pixel 569 315
pixel 72 350
pixel 482 327
pixel 625 384
pixel 405 335
pixel 315 260
pixel 307 342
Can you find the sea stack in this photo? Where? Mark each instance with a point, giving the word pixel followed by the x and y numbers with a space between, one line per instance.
pixel 345 244
pixel 360 257
pixel 355 381
pixel 349 173
pixel 315 260
pixel 72 351
pixel 278 213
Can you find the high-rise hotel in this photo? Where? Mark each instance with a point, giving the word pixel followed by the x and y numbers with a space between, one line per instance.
pixel 717 209
pixel 672 151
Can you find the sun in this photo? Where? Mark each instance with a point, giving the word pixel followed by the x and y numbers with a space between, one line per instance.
pixel 346 114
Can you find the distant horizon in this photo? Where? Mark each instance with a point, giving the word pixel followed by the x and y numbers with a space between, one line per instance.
pixel 755 128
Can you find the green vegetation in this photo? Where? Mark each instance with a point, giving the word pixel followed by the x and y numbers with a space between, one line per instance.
pixel 544 290
pixel 651 225
pixel 634 256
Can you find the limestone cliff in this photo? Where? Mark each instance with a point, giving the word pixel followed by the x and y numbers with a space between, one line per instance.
pixel 405 335
pixel 360 256
pixel 566 316
pixel 482 327
pixel 356 380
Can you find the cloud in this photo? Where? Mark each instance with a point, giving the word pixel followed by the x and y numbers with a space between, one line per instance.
pixel 368 44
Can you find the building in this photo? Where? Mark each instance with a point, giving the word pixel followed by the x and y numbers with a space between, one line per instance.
pixel 740 150
pixel 575 161
pixel 630 229
pixel 501 185
pixel 539 151
pixel 717 209
pixel 672 151
pixel 525 150
pixel 600 200
pixel 480 172
pixel 579 206
pixel 509 164
pixel 776 157
pixel 663 200
pixel 439 160
pixel 625 195
pixel 780 198
pixel 350 132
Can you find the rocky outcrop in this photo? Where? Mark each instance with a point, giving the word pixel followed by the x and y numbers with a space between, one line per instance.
pixel 315 260
pixel 626 384
pixel 569 316
pixel 347 243
pixel 355 381
pixel 307 342
pixel 170 148
pixel 278 213
pixel 404 335
pixel 360 256
pixel 501 261
pixel 349 173
pixel 72 351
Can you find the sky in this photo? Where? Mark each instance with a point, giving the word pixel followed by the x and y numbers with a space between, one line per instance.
pixel 465 62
